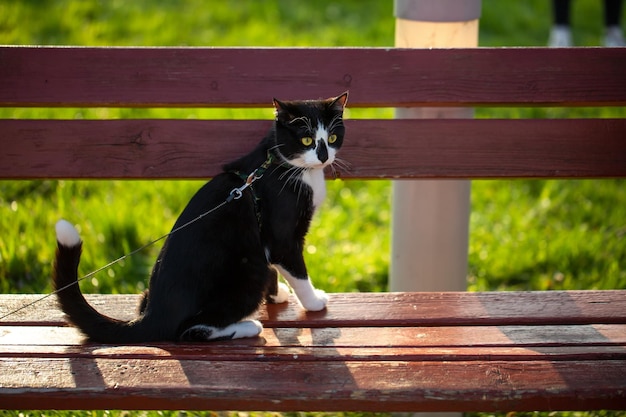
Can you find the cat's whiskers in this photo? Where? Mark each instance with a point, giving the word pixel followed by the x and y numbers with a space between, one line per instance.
pixel 339 165
pixel 276 148
pixel 333 170
pixel 335 121
pixel 293 175
pixel 295 180
pixel 283 159
pixel 342 164
pixel 306 121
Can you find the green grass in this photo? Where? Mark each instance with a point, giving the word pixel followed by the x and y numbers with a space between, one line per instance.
pixel 525 234
pixel 542 235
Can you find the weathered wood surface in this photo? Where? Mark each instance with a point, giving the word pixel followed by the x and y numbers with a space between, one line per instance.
pixel 587 148
pixel 376 77
pixel 432 351
pixel 384 309
pixel 388 352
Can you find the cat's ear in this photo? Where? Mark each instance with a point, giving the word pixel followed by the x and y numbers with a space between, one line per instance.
pixel 281 111
pixel 339 103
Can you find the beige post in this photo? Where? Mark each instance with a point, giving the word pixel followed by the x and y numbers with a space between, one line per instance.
pixel 430 223
pixel 431 217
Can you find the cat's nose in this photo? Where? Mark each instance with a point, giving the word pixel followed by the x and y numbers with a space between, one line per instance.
pixel 322 151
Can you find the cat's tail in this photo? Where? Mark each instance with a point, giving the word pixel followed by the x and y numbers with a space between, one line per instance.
pixel 97 327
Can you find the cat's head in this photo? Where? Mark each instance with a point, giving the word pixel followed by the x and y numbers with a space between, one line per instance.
pixel 309 133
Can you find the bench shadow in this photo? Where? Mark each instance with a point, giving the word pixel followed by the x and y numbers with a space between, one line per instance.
pixel 553 337
pixel 86 373
pixel 295 354
pixel 288 361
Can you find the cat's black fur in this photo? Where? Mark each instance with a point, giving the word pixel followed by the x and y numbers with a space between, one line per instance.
pixel 218 270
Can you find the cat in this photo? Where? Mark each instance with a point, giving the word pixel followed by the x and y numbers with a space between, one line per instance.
pixel 213 274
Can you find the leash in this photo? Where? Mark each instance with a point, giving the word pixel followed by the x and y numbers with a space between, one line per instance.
pixel 235 194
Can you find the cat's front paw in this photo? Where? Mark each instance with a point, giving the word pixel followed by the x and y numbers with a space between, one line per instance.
pixel 282 295
pixel 316 301
pixel 248 328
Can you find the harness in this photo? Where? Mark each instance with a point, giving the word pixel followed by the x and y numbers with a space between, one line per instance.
pixel 249 179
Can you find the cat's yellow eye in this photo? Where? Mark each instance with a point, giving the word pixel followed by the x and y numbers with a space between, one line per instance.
pixel 332 139
pixel 306 141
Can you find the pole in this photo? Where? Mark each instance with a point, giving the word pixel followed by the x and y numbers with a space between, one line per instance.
pixel 430 224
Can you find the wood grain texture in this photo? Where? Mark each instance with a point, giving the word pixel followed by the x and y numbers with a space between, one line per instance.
pixel 562 350
pixel 376 77
pixel 587 148
pixel 313 386
pixel 384 309
pixel 521 351
pixel 450 343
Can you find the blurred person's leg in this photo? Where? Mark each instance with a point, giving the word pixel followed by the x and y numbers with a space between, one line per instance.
pixel 613 35
pixel 561 33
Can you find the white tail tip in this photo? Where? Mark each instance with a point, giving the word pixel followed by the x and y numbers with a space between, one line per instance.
pixel 67 235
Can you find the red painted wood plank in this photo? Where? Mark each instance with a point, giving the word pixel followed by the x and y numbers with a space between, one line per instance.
pixel 500 366
pixel 476 343
pixel 463 308
pixel 332 386
pixel 376 77
pixel 43 310
pixel 384 309
pixel 364 337
pixel 302 354
pixel 373 148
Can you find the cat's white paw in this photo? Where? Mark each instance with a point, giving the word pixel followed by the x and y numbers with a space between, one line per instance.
pixel 282 296
pixel 205 333
pixel 315 301
pixel 311 298
pixel 248 328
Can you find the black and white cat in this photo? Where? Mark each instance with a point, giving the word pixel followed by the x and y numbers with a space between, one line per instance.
pixel 212 275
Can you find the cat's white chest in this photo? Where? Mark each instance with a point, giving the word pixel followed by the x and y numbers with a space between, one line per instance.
pixel 314 178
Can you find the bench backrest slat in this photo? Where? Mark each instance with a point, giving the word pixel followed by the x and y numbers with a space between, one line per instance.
pixel 376 77
pixel 376 149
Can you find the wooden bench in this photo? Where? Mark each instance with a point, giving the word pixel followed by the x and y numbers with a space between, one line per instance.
pixel 369 352
pixel 373 351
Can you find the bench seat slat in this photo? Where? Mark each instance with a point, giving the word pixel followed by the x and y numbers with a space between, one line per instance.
pixel 376 77
pixel 308 354
pixel 385 309
pixel 486 354
pixel 38 338
pixel 585 148
pixel 79 383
